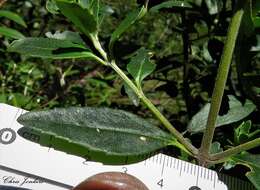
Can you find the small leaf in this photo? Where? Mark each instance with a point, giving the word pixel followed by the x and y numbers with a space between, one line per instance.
pixel 12 16
pixel 81 17
pixel 105 11
pixel 50 48
pixel 256 22
pixel 93 6
pixel 229 164
pixel 215 148
pixel 84 3
pixel 247 22
pixel 214 6
pixel 257 46
pixel 130 19
pixel 242 133
pixel 236 112
pixel 253 162
pixel 99 134
pixel 131 94
pixel 11 33
pixel 255 13
pixel 73 37
pixel 52 7
pixel 18 99
pixel 171 4
pixel 140 66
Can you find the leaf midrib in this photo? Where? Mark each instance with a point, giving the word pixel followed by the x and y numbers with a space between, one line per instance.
pixel 132 132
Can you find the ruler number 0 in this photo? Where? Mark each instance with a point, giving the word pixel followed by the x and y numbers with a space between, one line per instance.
pixel 160 183
pixel 124 169
pixel 7 136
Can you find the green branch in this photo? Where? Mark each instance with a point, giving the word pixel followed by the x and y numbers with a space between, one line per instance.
pixel 138 91
pixel 235 150
pixel 155 111
pixel 98 47
pixel 221 81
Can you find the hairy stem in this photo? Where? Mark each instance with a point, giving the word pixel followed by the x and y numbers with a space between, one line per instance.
pixel 98 47
pixel 235 150
pixel 154 110
pixel 221 81
pixel 138 91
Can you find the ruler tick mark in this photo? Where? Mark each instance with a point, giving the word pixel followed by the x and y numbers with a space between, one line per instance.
pixel 163 166
pixel 180 169
pixel 167 162
pixel 174 163
pixel 197 177
pixel 214 179
pixel 171 162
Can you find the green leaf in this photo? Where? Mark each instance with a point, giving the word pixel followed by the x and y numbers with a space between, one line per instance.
pixel 73 37
pixel 255 13
pixel 12 16
pixel 52 7
pixel 3 98
pixel 242 133
pixel 236 112
pixel 50 48
pixel 105 11
pixel 130 19
pixel 256 47
pixel 171 4
pixel 247 27
pixel 93 6
pixel 11 33
pixel 229 164
pixel 256 22
pixel 214 6
pixel 253 162
pixel 131 94
pixel 215 148
pixel 84 3
pixel 81 17
pixel 140 66
pixel 18 99
pixel 99 134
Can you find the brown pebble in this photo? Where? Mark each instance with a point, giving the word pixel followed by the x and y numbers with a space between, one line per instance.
pixel 111 181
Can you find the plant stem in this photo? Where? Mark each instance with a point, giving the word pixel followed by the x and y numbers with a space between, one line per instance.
pixel 98 46
pixel 221 81
pixel 235 150
pixel 98 59
pixel 154 110
pixel 138 91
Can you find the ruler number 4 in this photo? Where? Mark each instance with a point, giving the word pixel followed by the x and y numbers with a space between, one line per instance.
pixel 194 188
pixel 160 183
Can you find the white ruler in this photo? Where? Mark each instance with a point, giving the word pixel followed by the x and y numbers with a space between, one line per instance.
pixel 29 165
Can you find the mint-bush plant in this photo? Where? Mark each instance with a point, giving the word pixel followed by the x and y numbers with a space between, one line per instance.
pixel 95 133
